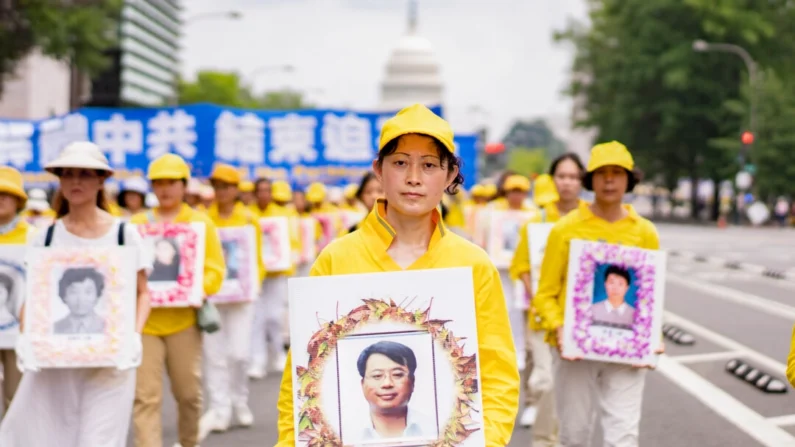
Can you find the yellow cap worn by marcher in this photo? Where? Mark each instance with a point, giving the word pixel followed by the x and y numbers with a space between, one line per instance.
pixel 544 190
pixel 316 193
pixel 226 173
pixel 610 154
pixel 246 186
pixel 517 183
pixel 11 183
pixel 168 167
pixel 490 190
pixel 420 120
pixel 80 155
pixel 478 191
pixel 350 191
pixel 281 191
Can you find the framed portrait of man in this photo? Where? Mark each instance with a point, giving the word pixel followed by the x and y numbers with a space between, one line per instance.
pixel 12 292
pixel 177 251
pixel 503 235
pixel 81 304
pixel 373 359
pixel 614 302
pixel 276 250
pixel 307 228
pixel 242 272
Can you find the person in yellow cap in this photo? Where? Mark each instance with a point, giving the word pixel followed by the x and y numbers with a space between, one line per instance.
pixel 14 231
pixel 416 165
pixel 74 407
pixel 349 192
pixel 618 387
pixel 557 194
pixel 172 339
pixel 246 189
pixel 226 351
pixel 269 314
pixel 326 213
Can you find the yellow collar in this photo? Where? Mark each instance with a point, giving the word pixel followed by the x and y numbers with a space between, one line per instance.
pixel 586 213
pixel 378 231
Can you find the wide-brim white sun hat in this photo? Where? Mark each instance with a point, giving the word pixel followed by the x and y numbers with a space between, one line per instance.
pixel 80 155
pixel 38 205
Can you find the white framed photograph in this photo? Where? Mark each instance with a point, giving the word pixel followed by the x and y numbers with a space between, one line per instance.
pixel 614 303
pixel 177 277
pixel 276 251
pixel 307 229
pixel 371 346
pixel 12 292
pixel 81 305
pixel 503 235
pixel 537 235
pixel 241 284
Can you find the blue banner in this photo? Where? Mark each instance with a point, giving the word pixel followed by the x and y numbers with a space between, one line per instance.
pixel 332 146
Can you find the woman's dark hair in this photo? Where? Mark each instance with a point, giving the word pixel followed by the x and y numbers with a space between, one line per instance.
pixel 567 156
pixel 613 269
pixel 80 274
pixel 122 201
pixel 397 352
pixel 587 180
pixel 363 184
pixel 448 160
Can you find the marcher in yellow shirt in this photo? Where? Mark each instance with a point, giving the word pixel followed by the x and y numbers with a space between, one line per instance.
pixel 618 388
pixel 326 213
pixel 246 189
pixel 14 230
pixel 171 338
pixel 262 197
pixel 349 192
pixel 416 165
pixel 227 351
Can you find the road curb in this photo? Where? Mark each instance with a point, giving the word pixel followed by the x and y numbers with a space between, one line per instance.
pixel 734 265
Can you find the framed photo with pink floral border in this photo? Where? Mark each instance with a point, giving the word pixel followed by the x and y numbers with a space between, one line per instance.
pixel 328 225
pixel 177 277
pixel 12 292
pixel 307 229
pixel 276 250
pixel 80 306
pixel 503 236
pixel 241 284
pixel 614 303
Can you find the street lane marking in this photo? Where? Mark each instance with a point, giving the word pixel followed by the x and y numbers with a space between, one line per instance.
pixel 783 421
pixel 760 360
pixel 708 357
pixel 755 302
pixel 722 403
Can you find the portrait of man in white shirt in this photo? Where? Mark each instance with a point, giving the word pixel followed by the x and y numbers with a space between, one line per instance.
pixel 81 289
pixel 614 311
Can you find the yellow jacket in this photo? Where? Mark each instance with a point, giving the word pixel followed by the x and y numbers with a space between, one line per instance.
pixel 791 360
pixel 276 210
pixel 365 251
pixel 18 235
pixel 550 301
pixel 241 216
pixel 166 321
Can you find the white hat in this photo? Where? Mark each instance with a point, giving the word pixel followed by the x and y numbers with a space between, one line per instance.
pixel 336 194
pixel 81 154
pixel 37 200
pixel 194 187
pixel 151 200
pixel 135 184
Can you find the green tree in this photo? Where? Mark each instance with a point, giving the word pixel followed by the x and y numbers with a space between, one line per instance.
pixel 528 161
pixel 226 89
pixel 77 32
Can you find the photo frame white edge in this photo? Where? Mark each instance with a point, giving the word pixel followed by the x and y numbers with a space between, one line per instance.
pixel 250 237
pixel 285 263
pixel 14 255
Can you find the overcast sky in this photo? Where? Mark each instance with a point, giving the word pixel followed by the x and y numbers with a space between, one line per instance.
pixel 495 54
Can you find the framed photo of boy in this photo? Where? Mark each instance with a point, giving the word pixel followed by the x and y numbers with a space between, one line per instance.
pixel 504 235
pixel 276 250
pixel 12 292
pixel 177 275
pixel 614 303
pixel 242 273
pixel 307 229
pixel 80 306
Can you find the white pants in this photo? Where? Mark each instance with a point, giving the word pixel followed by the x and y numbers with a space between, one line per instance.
pixel 542 376
pixel 515 316
pixel 616 389
pixel 270 309
pixel 303 270
pixel 70 408
pixel 226 354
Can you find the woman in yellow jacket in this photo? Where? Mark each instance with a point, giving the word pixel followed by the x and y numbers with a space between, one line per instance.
pixel 557 193
pixel 580 385
pixel 226 352
pixel 171 338
pixel 271 306
pixel 416 165
pixel 14 230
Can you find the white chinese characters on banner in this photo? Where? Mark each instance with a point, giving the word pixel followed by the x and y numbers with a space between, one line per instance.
pixel 167 131
pixel 56 133
pixel 118 137
pixel 347 138
pixel 240 138
pixel 16 147
pixel 292 139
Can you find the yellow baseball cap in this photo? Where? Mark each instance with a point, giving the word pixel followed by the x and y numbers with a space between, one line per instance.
pixel 489 190
pixel 544 190
pixel 420 120
pixel 168 167
pixel 610 154
pixel 246 186
pixel 281 191
pixel 516 182
pixel 350 191
pixel 478 191
pixel 225 173
pixel 11 183
pixel 316 193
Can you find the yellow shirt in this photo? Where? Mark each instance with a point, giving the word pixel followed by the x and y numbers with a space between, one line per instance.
pixel 18 235
pixel 633 231
pixel 241 216
pixel 791 360
pixel 365 251
pixel 164 320
pixel 276 210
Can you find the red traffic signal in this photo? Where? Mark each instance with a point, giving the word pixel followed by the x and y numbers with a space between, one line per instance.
pixel 747 137
pixel 495 148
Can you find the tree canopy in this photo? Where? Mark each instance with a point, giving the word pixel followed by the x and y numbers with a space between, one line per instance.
pixel 227 89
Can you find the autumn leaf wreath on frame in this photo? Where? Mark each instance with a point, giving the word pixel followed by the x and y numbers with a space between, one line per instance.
pixel 317 432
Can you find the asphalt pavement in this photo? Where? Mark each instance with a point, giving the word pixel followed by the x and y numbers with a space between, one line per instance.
pixel 690 400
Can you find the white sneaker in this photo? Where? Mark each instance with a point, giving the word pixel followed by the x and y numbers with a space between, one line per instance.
pixel 243 415
pixel 281 362
pixel 257 370
pixel 528 417
pixel 213 421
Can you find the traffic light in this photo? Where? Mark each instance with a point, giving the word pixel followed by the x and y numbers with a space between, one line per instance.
pixel 747 138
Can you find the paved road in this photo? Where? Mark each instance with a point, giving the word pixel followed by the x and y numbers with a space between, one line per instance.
pixel 690 400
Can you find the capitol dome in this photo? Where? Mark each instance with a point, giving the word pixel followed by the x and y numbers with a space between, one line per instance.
pixel 412 72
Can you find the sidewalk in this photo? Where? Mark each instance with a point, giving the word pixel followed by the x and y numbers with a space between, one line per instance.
pixel 788 275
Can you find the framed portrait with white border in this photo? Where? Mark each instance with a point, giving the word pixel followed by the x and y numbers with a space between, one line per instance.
pixel 307 229
pixel 81 304
pixel 12 292
pixel 276 251
pixel 367 346
pixel 328 228
pixel 537 235
pixel 504 226
pixel 614 303
pixel 177 276
pixel 241 284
